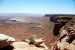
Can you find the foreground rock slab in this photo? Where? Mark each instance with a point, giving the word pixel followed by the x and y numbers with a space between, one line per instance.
pixel 5 40
pixel 26 46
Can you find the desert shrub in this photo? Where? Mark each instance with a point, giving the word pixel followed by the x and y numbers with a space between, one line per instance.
pixel 32 41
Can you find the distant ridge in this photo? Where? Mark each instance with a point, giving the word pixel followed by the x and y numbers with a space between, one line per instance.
pixel 30 14
pixel 50 15
pixel 19 14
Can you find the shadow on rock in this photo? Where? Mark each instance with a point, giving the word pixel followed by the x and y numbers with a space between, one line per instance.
pixel 7 48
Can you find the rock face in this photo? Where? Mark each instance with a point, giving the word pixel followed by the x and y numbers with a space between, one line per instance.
pixel 67 38
pixel 5 40
pixel 59 22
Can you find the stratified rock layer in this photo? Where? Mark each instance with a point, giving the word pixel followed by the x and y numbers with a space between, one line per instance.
pixel 67 38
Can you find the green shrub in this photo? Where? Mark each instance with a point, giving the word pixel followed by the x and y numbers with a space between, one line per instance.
pixel 32 41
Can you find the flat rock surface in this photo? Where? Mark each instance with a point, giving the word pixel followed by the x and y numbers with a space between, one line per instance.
pixel 26 46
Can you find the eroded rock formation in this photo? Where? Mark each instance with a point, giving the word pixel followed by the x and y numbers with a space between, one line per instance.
pixel 59 22
pixel 67 37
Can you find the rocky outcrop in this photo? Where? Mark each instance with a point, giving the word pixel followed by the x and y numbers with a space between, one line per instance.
pixel 59 22
pixel 30 44
pixel 67 38
pixel 26 46
pixel 5 40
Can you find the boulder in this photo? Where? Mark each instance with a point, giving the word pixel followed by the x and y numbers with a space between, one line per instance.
pixel 5 40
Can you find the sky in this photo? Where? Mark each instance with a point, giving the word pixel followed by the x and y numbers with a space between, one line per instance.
pixel 38 6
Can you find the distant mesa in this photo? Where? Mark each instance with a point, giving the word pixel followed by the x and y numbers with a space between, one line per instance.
pixel 60 20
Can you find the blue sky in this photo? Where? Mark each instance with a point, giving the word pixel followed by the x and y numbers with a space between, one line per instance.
pixel 38 6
